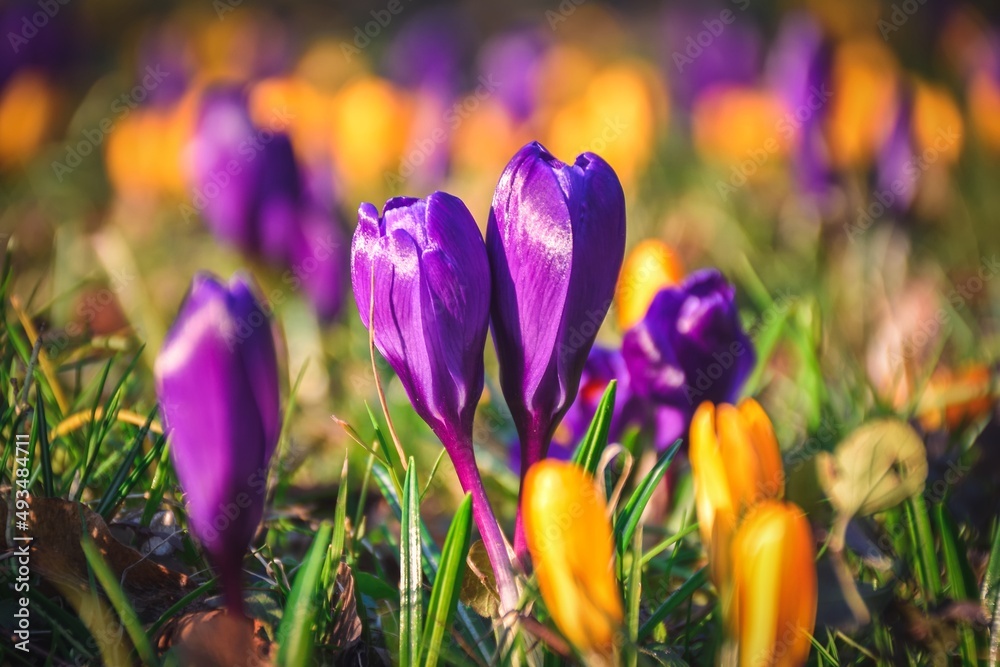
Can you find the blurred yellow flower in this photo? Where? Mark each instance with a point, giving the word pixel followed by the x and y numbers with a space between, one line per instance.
pixel 616 116
pixel 936 121
pixel 308 108
pixel 774 580
pixel 733 124
pixel 735 462
pixel 649 267
pixel 569 536
pixel 864 95
pixel 28 105
pixel 954 398
pixel 984 108
pixel 371 121
pixel 145 151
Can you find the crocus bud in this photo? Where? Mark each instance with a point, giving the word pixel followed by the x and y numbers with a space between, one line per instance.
pixel 427 262
pixel 735 462
pixel 556 239
pixel 689 348
pixel 774 579
pixel 651 266
pixel 217 382
pixel 247 189
pixel 569 536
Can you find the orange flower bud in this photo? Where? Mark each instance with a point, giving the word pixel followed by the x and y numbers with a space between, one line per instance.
pixel 651 266
pixel 774 579
pixel 569 536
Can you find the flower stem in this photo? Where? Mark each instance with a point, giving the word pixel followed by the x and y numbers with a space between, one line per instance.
pixel 464 458
pixel 533 449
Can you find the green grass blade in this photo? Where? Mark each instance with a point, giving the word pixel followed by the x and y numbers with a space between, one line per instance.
pixel 633 596
pixel 295 635
pixel 588 452
pixel 675 600
pixel 410 576
pixel 956 570
pixel 447 582
pixel 991 579
pixel 118 600
pixel 924 540
pixel 630 515
pixel 473 627
pixel 41 430
pixel 340 521
pixel 118 488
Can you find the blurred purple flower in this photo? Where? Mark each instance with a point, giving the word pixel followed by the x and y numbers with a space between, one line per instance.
pixel 254 195
pixel 217 382
pixel 427 262
pixel 896 177
pixel 36 39
pixel 514 59
pixel 429 50
pixel 798 70
pixel 689 348
pixel 556 239
pixel 709 46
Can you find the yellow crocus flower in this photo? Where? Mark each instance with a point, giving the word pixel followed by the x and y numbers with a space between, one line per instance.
pixel 774 580
pixel 569 537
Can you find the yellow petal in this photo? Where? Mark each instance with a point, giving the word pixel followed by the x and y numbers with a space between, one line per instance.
pixel 766 445
pixel 569 537
pixel 712 490
pixel 775 585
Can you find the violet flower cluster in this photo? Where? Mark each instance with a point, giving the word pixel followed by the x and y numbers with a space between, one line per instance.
pixel 544 279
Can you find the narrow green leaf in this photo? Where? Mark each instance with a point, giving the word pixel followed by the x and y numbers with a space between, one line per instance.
pixel 991 580
pixel 955 567
pixel 588 452
pixel 118 488
pixel 42 434
pixel 471 624
pixel 295 635
pixel 675 600
pixel 924 540
pixel 447 582
pixel 340 521
pixel 630 515
pixel 633 596
pixel 118 600
pixel 410 576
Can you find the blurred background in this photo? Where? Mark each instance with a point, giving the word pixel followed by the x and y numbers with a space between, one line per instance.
pixel 837 161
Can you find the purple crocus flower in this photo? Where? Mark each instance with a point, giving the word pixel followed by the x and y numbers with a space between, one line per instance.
pixel 217 382
pixel 689 348
pixel 798 70
pixel 428 264
pixel 556 240
pixel 708 46
pixel 896 177
pixel 255 195
pixel 515 58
